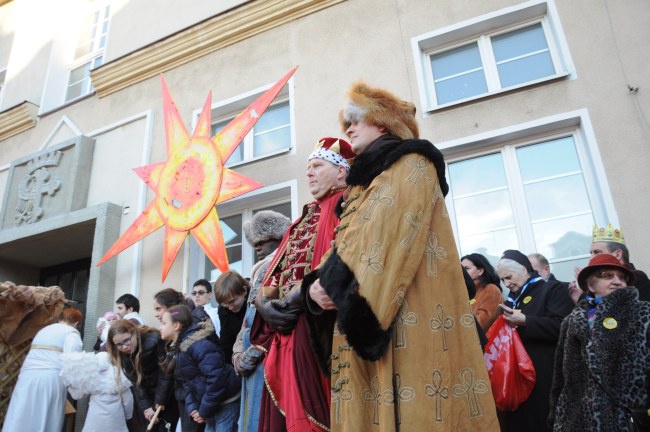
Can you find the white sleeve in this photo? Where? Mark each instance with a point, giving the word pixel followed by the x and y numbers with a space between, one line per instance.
pixel 127 402
pixel 72 342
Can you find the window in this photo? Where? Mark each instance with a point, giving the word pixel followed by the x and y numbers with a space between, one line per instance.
pixel 515 47
pixel 233 214
pixel 536 196
pixel 271 135
pixel 89 50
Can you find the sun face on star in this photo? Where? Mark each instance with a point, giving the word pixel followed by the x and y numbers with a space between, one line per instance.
pixel 193 180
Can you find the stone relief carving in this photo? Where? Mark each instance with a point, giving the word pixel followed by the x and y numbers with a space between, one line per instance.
pixel 37 183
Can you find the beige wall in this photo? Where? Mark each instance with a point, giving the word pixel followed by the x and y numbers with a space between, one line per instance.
pixel 356 39
pixel 136 23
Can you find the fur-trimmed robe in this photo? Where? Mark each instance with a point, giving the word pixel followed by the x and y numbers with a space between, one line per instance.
pixel 618 355
pixel 405 355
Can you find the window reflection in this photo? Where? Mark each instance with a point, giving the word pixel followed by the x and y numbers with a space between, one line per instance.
pixel 490 217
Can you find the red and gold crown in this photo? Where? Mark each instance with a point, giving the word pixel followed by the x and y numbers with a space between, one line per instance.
pixel 607 234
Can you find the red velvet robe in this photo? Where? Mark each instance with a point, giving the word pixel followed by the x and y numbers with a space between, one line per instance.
pixel 288 403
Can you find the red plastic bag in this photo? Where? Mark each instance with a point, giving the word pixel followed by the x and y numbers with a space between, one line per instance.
pixel 511 371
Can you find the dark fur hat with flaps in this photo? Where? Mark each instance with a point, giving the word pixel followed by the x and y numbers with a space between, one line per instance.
pixel 379 108
pixel 265 225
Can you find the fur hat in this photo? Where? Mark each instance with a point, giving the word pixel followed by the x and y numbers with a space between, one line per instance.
pixel 379 108
pixel 265 225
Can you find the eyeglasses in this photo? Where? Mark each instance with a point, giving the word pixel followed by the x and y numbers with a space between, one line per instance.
pixel 610 274
pixel 125 343
pixel 199 293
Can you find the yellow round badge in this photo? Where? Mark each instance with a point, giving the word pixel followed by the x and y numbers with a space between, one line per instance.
pixel 527 299
pixel 472 301
pixel 610 323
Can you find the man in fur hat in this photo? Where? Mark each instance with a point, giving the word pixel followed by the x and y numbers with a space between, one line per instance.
pixel 406 354
pixel 296 396
pixel 264 232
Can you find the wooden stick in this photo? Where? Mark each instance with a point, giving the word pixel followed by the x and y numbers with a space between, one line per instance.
pixel 154 418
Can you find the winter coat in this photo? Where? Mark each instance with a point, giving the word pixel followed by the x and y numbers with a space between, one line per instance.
pixel 155 387
pixel 208 380
pixel 545 305
pixel 616 354
pixel 231 323
pixel 406 355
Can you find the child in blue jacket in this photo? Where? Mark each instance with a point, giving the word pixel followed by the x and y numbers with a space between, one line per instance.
pixel 210 386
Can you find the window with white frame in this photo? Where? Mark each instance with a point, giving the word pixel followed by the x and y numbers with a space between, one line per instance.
pixel 89 49
pixel 534 196
pixel 511 48
pixel 241 255
pixel 271 135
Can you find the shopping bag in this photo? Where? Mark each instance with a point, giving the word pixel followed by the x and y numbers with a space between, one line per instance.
pixel 511 371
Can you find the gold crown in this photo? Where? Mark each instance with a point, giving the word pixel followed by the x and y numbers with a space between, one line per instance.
pixel 609 234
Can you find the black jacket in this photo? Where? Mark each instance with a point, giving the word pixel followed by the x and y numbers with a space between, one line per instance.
pixel 545 305
pixel 155 387
pixel 230 327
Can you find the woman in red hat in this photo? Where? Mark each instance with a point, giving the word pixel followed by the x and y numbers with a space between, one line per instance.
pixel 603 357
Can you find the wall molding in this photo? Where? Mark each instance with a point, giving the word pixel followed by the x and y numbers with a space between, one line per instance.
pixel 17 119
pixel 204 38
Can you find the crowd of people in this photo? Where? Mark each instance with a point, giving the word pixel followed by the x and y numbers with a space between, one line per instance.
pixel 357 316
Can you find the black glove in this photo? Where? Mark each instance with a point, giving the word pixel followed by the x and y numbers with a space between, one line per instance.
pixel 249 360
pixel 282 314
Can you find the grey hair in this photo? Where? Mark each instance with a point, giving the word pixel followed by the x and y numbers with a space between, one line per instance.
pixel 506 264
pixel 354 112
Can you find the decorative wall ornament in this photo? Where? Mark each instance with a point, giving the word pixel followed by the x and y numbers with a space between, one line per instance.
pixel 33 186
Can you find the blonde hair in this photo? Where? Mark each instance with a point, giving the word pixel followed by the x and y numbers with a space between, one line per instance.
pixel 121 327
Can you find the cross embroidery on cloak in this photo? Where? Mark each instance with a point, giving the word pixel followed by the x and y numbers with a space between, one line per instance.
pixel 343 395
pixel 370 259
pixel 414 226
pixel 433 253
pixel 437 195
pixel 469 389
pixel 372 395
pixel 467 319
pixel 378 197
pixel 436 391
pixel 397 395
pixel 442 323
pixel 404 318
pixel 419 170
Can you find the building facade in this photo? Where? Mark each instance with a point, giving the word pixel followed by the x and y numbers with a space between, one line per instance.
pixel 541 108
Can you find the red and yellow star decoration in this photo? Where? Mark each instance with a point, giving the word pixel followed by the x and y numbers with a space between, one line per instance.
pixel 193 181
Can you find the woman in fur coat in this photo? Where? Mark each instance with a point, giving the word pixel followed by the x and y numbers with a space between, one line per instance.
pixel 603 358
pixel 210 385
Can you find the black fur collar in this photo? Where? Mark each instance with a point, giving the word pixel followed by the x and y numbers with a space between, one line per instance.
pixel 385 151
